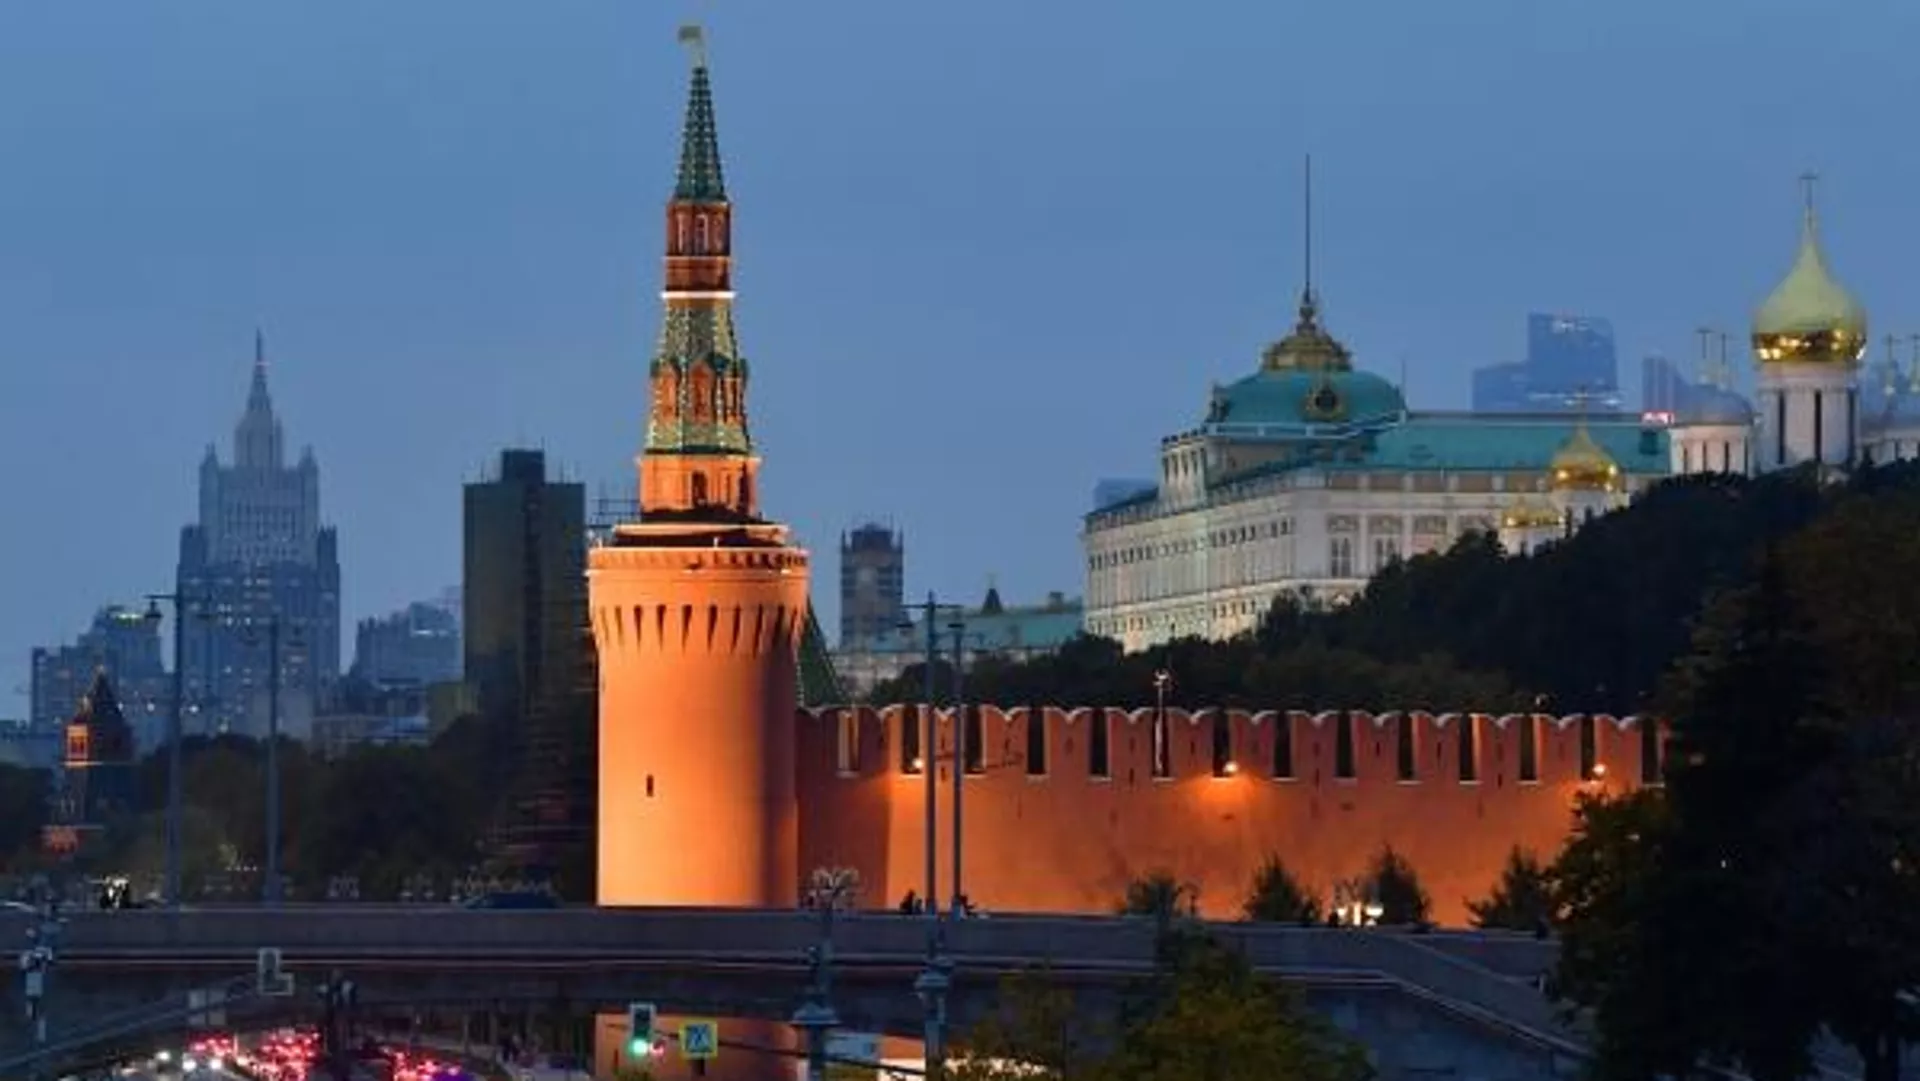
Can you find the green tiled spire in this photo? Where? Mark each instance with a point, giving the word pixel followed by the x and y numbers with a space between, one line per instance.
pixel 819 683
pixel 700 180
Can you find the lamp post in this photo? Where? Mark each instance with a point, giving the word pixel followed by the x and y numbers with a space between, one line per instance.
pixel 933 982
pixel 271 888
pixel 1161 679
pixel 36 964
pixel 337 998
pixel 828 890
pixel 958 907
pixel 172 885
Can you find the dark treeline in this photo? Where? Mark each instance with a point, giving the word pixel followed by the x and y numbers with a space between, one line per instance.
pixel 1589 625
pixel 384 816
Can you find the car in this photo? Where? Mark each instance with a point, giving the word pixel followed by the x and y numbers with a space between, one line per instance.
pixel 514 899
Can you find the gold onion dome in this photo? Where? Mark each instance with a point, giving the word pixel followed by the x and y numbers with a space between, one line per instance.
pixel 1525 513
pixel 1309 347
pixel 1810 318
pixel 1582 465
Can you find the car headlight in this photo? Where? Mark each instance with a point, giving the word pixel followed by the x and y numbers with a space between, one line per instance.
pixel 190 1064
pixel 163 1056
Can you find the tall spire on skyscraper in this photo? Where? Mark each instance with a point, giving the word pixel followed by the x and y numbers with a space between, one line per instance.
pixel 257 439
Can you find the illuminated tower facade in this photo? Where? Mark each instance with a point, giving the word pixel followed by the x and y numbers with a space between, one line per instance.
pixel 698 608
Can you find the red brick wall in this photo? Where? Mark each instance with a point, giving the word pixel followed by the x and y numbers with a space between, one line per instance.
pixel 1066 841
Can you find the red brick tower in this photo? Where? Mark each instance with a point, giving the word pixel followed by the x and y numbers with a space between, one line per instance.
pixel 698 608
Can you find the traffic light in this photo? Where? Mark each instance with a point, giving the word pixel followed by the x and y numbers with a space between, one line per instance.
pixel 640 1017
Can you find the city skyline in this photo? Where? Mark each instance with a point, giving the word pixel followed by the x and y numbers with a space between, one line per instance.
pixel 433 297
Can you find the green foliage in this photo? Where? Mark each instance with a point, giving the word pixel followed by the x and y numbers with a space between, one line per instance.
pixel 1774 892
pixel 1521 901
pixel 1588 625
pixel 379 814
pixel 1278 897
pixel 23 811
pixel 1160 895
pixel 1395 885
pixel 1208 1018
pixel 1034 1034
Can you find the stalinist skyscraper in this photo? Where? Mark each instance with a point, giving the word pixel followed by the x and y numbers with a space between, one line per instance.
pixel 698 608
pixel 258 552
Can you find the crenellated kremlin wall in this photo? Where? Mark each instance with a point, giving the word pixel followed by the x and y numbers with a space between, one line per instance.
pixel 1049 826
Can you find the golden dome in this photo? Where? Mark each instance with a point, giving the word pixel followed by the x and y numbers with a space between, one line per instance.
pixel 1309 347
pixel 1525 513
pixel 1809 318
pixel 1582 465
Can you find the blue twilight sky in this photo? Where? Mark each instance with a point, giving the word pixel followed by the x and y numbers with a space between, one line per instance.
pixel 988 252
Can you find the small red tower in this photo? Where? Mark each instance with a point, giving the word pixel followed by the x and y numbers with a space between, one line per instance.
pixel 698 608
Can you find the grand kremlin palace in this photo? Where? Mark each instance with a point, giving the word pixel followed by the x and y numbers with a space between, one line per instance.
pixel 1308 476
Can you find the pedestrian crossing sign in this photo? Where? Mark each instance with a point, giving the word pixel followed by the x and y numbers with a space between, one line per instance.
pixel 700 1040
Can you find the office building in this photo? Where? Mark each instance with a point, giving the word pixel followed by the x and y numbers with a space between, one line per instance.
pixel 873 571
pixel 1570 367
pixel 121 642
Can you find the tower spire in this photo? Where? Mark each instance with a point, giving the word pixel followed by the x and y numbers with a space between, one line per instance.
pixel 699 456
pixel 257 439
pixel 1309 304
pixel 700 179
pixel 258 400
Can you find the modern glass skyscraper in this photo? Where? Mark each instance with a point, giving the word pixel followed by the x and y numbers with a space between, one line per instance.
pixel 258 553
pixel 123 643
pixel 1571 365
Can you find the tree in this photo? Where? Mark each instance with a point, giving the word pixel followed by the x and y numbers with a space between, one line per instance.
pixel 1160 895
pixel 1035 1033
pixel 1521 901
pixel 1218 1020
pixel 1278 897
pixel 1209 1017
pixel 1652 1009
pixel 23 811
pixel 1686 934
pixel 1397 889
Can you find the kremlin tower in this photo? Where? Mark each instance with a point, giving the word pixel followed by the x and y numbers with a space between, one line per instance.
pixel 698 608
pixel 1808 339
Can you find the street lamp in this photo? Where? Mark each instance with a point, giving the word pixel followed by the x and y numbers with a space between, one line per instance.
pixel 179 604
pixel 271 889
pixel 36 961
pixel 337 998
pixel 933 981
pixel 958 907
pixel 828 891
pixel 1161 680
